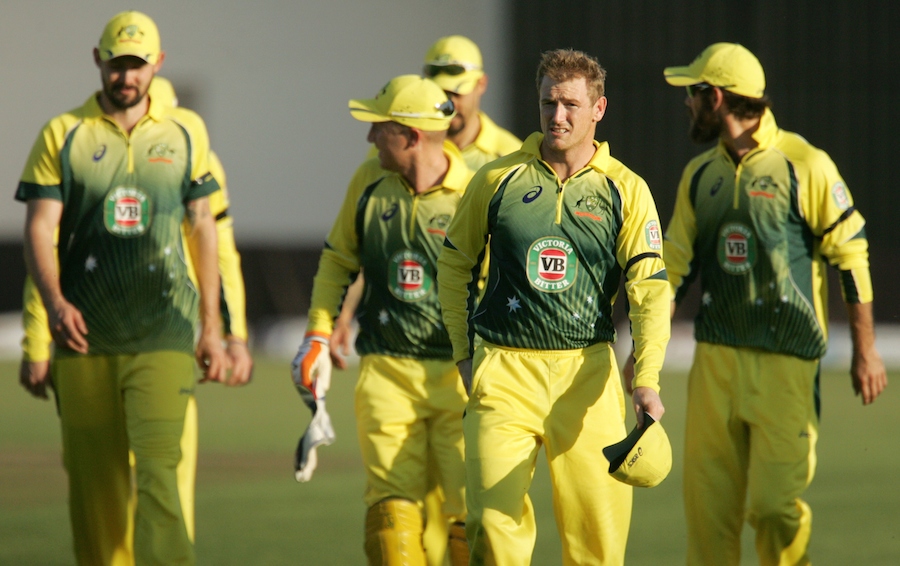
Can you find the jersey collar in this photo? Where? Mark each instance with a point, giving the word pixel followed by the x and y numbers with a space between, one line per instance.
pixel 486 139
pixel 768 132
pixel 599 162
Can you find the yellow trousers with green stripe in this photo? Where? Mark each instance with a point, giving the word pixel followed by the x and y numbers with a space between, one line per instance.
pixel 752 426
pixel 109 405
pixel 571 403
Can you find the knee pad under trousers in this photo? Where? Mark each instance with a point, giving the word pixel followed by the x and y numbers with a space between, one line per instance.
pixel 394 534
pixel 458 546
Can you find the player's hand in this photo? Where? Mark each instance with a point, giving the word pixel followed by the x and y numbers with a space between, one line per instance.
pixel 67 326
pixel 311 369
pixel 311 372
pixel 341 340
pixel 211 358
pixel 241 362
pixel 35 377
pixel 646 400
pixel 868 374
pixel 628 374
pixel 465 372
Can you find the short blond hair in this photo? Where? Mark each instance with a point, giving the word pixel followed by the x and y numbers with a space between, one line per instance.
pixel 566 64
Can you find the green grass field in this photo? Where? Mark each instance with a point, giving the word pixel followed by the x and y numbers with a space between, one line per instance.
pixel 250 511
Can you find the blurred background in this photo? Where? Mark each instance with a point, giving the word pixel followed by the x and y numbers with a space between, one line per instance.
pixel 272 80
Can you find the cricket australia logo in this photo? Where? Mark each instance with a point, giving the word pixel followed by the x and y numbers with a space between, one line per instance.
pixel 763 187
pixel 552 265
pixel 160 153
pixel 737 249
pixel 409 276
pixel 126 212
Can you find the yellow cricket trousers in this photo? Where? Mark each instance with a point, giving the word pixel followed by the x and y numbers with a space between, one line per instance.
pixel 749 448
pixel 108 405
pixel 571 403
pixel 409 416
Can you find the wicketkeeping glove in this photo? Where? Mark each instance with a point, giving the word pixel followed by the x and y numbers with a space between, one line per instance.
pixel 311 370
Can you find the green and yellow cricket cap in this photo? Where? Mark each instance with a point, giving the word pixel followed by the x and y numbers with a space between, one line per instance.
pixel 130 33
pixel 644 458
pixel 729 66
pixel 409 100
pixel 162 91
pixel 454 63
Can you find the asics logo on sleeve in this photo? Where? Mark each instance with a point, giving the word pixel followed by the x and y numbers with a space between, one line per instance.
pixel 534 193
pixel 389 213
pixel 715 188
pixel 101 151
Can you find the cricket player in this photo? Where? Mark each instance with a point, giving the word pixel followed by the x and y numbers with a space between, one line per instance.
pixel 756 218
pixel 454 62
pixel 409 397
pixel 36 343
pixel 565 221
pixel 115 178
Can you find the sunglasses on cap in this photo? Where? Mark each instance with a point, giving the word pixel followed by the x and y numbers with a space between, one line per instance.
pixel 446 108
pixel 453 69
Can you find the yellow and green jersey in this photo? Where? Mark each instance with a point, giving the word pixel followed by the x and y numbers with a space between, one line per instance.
pixel 394 235
pixel 558 250
pixel 492 142
pixel 757 233
pixel 120 252
pixel 36 341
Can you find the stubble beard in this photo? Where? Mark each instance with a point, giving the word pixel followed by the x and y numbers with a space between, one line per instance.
pixel 113 94
pixel 457 125
pixel 706 126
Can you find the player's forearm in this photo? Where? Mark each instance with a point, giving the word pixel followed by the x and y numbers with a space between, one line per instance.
pixel 862 327
pixel 650 314
pixel 454 276
pixel 232 279
pixel 329 285
pixel 36 339
pixel 40 258
pixel 204 251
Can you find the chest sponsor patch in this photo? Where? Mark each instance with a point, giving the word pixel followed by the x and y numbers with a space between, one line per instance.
pixel 552 265
pixel 410 276
pixel 840 195
pixel 126 212
pixel 737 248
pixel 653 235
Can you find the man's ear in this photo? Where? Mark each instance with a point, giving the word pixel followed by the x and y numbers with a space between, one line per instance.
pixel 159 62
pixel 413 137
pixel 97 57
pixel 717 99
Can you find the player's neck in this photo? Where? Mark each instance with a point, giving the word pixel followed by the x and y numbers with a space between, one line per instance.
pixel 427 171
pixel 126 118
pixel 738 135
pixel 569 161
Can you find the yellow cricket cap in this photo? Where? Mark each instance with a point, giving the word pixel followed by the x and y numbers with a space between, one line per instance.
pixel 409 100
pixel 644 458
pixel 130 33
pixel 729 66
pixel 454 63
pixel 161 90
